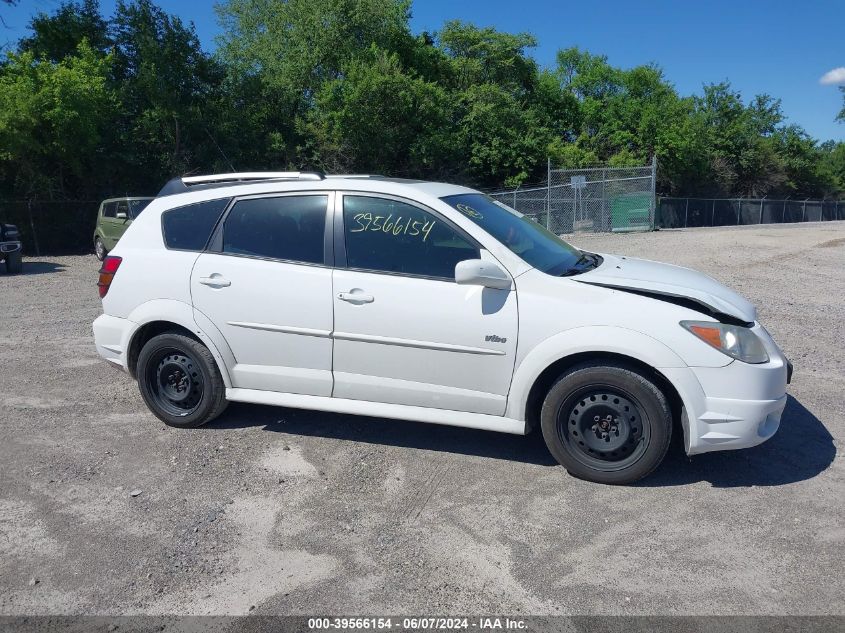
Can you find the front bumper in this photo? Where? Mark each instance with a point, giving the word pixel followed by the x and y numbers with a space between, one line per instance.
pixel 9 247
pixel 736 406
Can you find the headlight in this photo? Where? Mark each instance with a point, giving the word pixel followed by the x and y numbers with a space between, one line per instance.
pixel 734 340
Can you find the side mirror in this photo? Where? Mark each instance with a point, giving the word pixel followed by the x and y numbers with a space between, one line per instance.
pixel 121 215
pixel 477 272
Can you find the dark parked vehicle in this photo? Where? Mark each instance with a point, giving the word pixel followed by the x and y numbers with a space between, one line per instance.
pixel 10 248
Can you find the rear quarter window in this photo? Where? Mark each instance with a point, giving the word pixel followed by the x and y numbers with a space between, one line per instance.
pixel 188 228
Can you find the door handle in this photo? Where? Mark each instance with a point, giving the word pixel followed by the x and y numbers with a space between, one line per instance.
pixel 356 295
pixel 216 280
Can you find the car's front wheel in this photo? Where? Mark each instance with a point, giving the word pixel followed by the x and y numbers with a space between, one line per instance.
pixel 100 249
pixel 180 381
pixel 606 423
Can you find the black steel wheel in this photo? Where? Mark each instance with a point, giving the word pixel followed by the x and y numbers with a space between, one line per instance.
pixel 176 381
pixel 603 428
pixel 606 423
pixel 179 380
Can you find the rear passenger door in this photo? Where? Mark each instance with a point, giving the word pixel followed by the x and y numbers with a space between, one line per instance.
pixel 265 282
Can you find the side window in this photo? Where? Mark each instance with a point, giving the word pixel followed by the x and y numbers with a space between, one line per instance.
pixel 287 227
pixel 390 236
pixel 188 228
pixel 109 209
pixel 122 207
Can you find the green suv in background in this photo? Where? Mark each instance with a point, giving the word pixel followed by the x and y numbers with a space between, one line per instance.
pixel 113 218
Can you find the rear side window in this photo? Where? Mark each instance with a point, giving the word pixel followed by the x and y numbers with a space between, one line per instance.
pixel 188 228
pixel 289 227
pixel 109 209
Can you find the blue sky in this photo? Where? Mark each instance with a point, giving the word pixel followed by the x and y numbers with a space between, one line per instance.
pixel 782 47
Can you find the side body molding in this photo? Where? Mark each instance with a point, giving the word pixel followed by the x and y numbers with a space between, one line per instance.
pixel 182 314
pixel 602 338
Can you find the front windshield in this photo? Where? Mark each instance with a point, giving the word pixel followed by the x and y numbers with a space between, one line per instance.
pixel 538 246
pixel 136 206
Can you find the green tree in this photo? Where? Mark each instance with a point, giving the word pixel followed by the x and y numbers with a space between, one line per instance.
pixel 504 109
pixel 58 35
pixel 380 119
pixel 170 93
pixel 53 119
pixel 487 56
pixel 280 54
pixel 500 139
pixel 742 160
pixel 297 45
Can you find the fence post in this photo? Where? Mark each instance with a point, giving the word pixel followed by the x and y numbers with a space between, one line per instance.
pixel 738 210
pixel 548 192
pixel 653 188
pixel 783 217
pixel 713 213
pixel 686 213
pixel 804 210
pixel 605 217
pixel 761 210
pixel 32 227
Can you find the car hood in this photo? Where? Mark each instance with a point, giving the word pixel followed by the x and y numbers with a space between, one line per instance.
pixel 658 279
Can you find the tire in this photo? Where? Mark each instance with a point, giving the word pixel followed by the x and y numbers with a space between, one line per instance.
pixel 179 381
pixel 606 423
pixel 100 249
pixel 14 262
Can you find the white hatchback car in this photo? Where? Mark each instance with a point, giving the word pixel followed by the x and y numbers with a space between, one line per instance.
pixel 431 302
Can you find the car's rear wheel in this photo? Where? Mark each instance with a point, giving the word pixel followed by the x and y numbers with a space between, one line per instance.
pixel 606 423
pixel 180 381
pixel 14 262
pixel 100 249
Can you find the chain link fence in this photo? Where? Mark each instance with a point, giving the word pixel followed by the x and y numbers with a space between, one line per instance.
pixel 52 227
pixel 591 200
pixel 676 213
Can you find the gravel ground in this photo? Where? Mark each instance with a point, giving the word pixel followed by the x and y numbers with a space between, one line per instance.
pixel 292 512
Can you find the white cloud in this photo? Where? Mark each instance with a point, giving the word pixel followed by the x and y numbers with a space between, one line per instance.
pixel 834 77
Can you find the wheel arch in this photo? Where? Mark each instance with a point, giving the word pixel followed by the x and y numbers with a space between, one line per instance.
pixel 550 358
pixel 547 377
pixel 162 315
pixel 147 332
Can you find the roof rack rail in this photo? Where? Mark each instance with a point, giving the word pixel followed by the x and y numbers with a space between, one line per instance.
pixel 188 183
pixel 254 175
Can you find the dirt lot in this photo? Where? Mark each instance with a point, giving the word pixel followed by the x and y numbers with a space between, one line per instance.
pixel 295 512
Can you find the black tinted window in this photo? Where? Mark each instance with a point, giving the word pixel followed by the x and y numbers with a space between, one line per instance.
pixel 289 227
pixel 189 227
pixel 396 237
pixel 109 209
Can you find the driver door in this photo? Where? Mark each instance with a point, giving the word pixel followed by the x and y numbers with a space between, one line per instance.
pixel 405 332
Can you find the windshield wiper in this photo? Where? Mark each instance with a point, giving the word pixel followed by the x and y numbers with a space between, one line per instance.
pixel 586 262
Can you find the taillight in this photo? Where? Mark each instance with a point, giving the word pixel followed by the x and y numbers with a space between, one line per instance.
pixel 110 266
